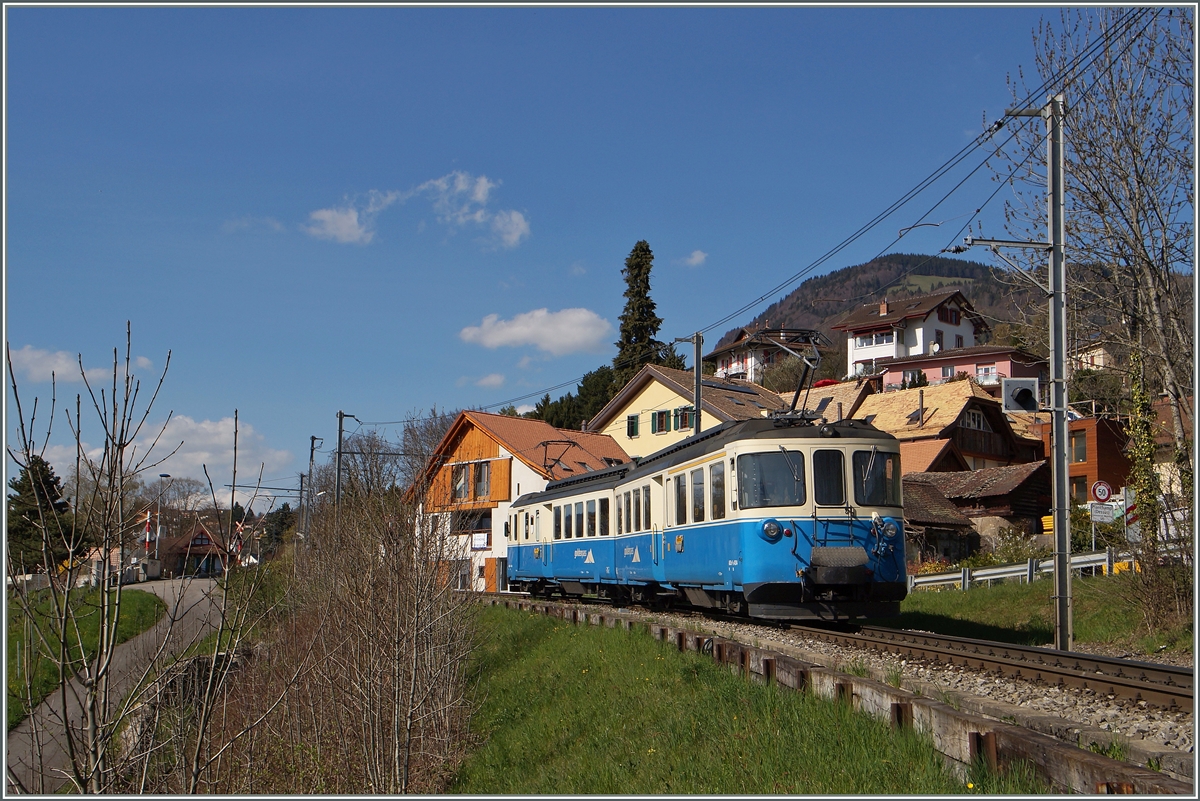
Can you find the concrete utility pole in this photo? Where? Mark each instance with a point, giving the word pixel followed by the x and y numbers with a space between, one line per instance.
pixel 337 472
pixel 1052 112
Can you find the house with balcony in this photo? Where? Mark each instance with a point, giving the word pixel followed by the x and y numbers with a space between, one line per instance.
pixel 915 326
pixel 655 409
pixel 987 364
pixel 961 412
pixel 753 350
pixel 484 463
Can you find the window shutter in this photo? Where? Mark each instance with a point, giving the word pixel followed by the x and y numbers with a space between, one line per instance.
pixel 501 479
pixel 653 422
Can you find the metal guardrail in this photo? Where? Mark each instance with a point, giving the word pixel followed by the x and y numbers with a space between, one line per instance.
pixel 1028 571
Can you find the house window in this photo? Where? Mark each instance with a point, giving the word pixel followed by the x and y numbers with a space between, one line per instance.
pixel 458 479
pixel 631 426
pixel 660 422
pixel 947 371
pixel 987 371
pixel 683 418
pixel 482 476
pixel 913 376
pixel 958 340
pixel 949 315
pixel 1079 489
pixel 939 338
pixel 973 418
pixel 1078 443
pixel 877 338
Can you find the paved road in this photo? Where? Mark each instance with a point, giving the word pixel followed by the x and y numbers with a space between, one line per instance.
pixel 192 612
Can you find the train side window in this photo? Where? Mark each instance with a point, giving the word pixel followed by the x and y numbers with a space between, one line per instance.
pixel 829 478
pixel 620 518
pixel 698 496
pixel 628 518
pixel 527 525
pixel 637 510
pixel 646 507
pixel 681 500
pixel 579 519
pixel 567 522
pixel 716 475
pixel 558 522
pixel 591 518
pixel 604 517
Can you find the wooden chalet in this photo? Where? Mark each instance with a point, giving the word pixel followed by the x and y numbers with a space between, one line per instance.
pixel 995 498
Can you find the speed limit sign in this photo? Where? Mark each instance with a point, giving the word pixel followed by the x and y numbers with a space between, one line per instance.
pixel 1101 491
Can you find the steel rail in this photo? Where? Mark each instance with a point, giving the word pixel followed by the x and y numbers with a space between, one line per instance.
pixel 1165 686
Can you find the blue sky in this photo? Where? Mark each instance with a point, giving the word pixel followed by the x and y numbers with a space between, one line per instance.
pixel 385 209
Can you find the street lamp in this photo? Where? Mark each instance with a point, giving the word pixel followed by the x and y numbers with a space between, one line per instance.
pixel 158 530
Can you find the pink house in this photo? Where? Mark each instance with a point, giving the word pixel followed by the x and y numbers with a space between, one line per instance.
pixel 987 364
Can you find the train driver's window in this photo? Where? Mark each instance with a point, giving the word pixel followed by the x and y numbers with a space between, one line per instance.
pixel 591 517
pixel 681 503
pixel 876 478
pixel 558 522
pixel 716 475
pixel 829 478
pixel 698 496
pixel 646 507
pixel 604 517
pixel 636 518
pixel 774 478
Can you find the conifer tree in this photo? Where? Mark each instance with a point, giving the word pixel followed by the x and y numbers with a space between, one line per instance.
pixel 38 516
pixel 639 322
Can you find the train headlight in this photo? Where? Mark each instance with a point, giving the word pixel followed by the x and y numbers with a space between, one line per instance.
pixel 890 528
pixel 771 530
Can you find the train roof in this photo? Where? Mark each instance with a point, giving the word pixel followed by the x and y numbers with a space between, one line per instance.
pixel 714 439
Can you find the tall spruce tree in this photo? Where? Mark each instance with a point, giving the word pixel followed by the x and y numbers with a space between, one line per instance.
pixel 639 322
pixel 38 517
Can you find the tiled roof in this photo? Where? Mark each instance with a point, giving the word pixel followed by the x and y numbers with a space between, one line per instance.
pixel 958 354
pixel 895 412
pixel 767 337
pixel 925 505
pixel 918 306
pixel 983 483
pixel 725 398
pixel 554 452
pixel 826 399
pixel 919 455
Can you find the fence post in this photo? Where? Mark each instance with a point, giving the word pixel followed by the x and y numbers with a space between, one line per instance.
pixel 911 582
pixel 966 578
pixel 1033 565
pixel 1109 558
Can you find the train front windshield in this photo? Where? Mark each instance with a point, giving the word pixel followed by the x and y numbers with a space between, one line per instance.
pixel 876 478
pixel 775 478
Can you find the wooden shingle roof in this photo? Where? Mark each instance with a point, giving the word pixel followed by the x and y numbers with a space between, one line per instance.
pixel 983 483
pixel 896 412
pixel 925 505
pixel 825 400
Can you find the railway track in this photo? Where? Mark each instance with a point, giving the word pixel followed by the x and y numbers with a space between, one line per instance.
pixel 1165 686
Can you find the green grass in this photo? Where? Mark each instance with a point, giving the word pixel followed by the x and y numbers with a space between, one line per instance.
pixel 139 611
pixel 1024 614
pixel 569 709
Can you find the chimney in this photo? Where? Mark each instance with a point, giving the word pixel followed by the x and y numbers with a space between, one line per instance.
pixel 883 308
pixel 921 408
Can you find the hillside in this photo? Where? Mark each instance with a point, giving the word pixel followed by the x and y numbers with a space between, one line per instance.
pixel 819 302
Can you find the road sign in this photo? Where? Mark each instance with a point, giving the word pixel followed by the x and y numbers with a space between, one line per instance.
pixel 1102 512
pixel 1101 491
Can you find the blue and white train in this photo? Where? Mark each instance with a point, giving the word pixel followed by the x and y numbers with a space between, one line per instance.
pixel 771 518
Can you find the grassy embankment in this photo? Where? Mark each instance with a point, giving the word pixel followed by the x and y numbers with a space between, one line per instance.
pixel 139 611
pixel 1024 614
pixel 569 709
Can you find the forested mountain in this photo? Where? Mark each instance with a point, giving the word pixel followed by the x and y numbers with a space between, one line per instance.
pixel 819 302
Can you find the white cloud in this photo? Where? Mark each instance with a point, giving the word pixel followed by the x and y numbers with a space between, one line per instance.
pixel 459 199
pixel 578 269
pixel 205 442
pixel 557 333
pixel 524 408
pixel 511 227
pixel 36 366
pixel 493 380
pixel 348 224
pixel 696 259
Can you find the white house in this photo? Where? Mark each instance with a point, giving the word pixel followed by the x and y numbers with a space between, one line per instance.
pixel 915 326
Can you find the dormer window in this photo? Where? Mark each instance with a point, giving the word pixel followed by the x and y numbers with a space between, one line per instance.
pixel 974 419
pixel 949 314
